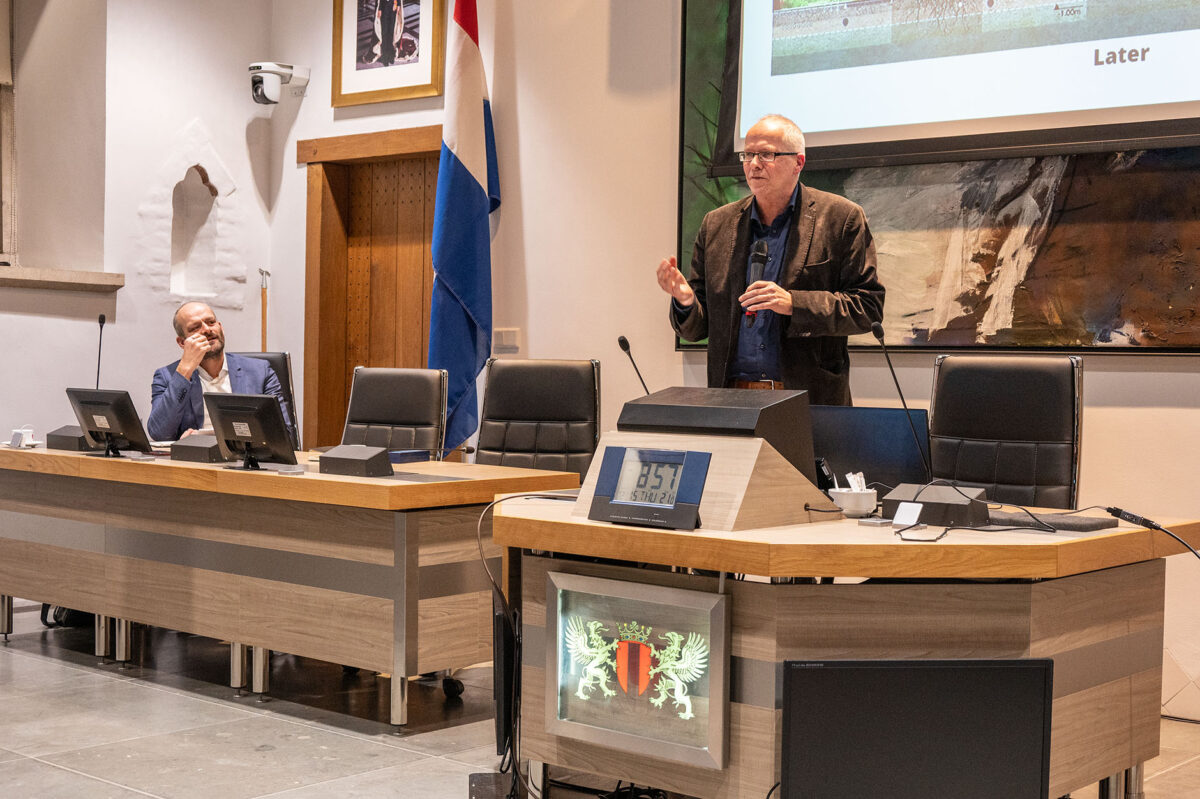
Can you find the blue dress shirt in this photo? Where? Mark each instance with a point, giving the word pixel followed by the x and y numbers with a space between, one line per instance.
pixel 759 347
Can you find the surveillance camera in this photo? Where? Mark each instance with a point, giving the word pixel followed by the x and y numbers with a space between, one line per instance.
pixel 267 79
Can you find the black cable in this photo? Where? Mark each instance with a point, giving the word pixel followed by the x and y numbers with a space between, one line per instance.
pixel 1142 521
pixel 512 619
pixel 821 510
pixel 773 787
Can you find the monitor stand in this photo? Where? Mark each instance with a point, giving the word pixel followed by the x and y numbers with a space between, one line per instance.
pixel 110 448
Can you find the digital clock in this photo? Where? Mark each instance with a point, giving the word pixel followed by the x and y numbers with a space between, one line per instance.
pixel 650 487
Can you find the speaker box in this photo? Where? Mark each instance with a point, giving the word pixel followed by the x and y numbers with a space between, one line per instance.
pixel 941 505
pixel 70 438
pixel 356 460
pixel 197 449
pixel 781 418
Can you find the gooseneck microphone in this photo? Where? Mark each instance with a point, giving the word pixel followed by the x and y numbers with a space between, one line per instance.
pixel 877 331
pixel 758 261
pixel 99 349
pixel 623 343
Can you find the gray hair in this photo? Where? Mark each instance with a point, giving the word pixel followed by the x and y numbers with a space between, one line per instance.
pixel 793 137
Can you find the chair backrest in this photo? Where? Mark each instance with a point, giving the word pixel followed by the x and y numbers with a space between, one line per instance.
pixel 1010 425
pixel 540 414
pixel 397 409
pixel 281 362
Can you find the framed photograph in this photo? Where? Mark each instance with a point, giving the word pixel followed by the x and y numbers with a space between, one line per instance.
pixel 385 50
pixel 638 668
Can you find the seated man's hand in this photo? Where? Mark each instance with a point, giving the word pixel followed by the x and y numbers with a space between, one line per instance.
pixel 195 347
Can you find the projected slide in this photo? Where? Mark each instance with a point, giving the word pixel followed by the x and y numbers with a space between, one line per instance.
pixel 861 71
pixel 810 35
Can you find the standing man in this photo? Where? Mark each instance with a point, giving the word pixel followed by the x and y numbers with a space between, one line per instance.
pixel 818 286
pixel 177 392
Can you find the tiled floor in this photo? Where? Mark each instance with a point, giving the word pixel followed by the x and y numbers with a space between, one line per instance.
pixel 71 727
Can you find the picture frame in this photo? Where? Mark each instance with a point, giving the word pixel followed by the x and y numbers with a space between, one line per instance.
pixel 366 69
pixel 638 668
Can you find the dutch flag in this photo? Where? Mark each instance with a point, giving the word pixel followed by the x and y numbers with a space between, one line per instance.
pixel 468 191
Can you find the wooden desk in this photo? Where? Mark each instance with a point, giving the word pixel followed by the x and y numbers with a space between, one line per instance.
pixel 1093 602
pixel 379 573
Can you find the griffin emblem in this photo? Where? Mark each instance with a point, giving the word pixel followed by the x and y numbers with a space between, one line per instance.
pixel 593 652
pixel 679 663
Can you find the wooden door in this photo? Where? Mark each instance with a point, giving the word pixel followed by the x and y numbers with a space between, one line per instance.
pixel 369 275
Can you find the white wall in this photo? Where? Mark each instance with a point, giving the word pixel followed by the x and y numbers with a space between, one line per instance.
pixel 103 90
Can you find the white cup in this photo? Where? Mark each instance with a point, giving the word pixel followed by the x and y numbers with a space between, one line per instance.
pixel 22 437
pixel 854 503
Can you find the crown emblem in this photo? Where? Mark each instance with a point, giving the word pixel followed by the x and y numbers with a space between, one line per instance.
pixel 633 632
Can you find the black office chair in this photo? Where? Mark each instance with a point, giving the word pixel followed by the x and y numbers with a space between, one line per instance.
pixel 281 362
pixel 540 414
pixel 397 409
pixel 1010 425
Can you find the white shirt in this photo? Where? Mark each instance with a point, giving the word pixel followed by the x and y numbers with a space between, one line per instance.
pixel 213 385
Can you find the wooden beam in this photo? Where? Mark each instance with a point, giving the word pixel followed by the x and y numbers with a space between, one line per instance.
pixel 21 277
pixel 370 146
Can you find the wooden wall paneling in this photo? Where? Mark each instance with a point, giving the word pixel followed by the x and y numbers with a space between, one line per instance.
pixel 411 324
pixel 385 242
pixel 324 398
pixel 358 272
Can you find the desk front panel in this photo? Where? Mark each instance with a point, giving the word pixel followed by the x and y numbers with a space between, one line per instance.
pixel 343 584
pixel 1103 629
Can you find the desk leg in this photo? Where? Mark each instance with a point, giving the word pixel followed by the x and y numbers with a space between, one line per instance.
pixel 123 641
pixel 1133 782
pixel 399 707
pixel 260 669
pixel 1112 787
pixel 6 616
pixel 404 616
pixel 103 642
pixel 237 665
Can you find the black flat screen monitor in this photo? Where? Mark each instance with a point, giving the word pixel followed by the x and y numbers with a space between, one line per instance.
pixel 875 441
pixel 108 419
pixel 252 426
pixel 914 729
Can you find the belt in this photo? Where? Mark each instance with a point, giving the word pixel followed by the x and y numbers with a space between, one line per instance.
pixel 768 384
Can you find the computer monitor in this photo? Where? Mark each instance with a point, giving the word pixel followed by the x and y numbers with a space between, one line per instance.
pixel 250 425
pixel 108 418
pixel 875 441
pixel 912 729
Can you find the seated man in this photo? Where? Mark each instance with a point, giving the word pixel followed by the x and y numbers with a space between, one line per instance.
pixel 177 404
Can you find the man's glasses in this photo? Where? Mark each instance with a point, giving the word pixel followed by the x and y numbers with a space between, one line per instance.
pixel 766 157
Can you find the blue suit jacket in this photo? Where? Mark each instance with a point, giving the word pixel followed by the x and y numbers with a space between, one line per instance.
pixel 177 405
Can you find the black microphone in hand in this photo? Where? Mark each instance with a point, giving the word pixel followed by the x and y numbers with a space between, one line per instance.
pixel 99 349
pixel 877 331
pixel 758 261
pixel 623 343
